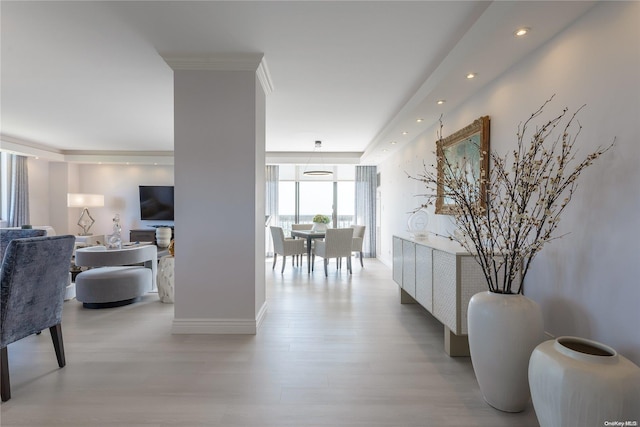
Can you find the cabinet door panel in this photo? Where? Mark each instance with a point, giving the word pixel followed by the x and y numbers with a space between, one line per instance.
pixel 445 289
pixel 397 260
pixel 472 281
pixel 409 267
pixel 424 277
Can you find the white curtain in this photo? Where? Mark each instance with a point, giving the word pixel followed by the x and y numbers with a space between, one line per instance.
pixel 18 191
pixel 365 206
pixel 272 176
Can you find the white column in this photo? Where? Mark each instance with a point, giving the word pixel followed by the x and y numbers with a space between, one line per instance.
pixel 219 111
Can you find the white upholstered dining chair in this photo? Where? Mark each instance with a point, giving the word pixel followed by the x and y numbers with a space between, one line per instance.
pixel 337 244
pixel 358 240
pixel 284 247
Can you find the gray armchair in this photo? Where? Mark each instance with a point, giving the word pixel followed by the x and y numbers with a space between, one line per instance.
pixel 34 274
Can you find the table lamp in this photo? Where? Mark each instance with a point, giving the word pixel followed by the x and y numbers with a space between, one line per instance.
pixel 84 201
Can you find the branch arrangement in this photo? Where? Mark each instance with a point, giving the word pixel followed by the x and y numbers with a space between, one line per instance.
pixel 526 191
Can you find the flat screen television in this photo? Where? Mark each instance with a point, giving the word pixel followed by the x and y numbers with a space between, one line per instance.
pixel 156 202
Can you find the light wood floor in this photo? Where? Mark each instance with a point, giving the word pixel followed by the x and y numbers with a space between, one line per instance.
pixel 334 352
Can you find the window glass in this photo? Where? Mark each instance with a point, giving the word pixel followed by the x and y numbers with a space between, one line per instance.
pixel 286 204
pixel 346 203
pixel 315 198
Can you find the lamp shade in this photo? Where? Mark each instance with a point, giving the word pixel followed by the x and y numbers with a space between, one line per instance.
pixel 79 200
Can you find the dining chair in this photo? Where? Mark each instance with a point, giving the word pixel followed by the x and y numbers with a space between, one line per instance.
pixel 358 240
pixel 284 247
pixel 33 278
pixel 303 227
pixel 336 244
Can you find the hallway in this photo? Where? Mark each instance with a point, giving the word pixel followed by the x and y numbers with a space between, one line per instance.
pixel 336 351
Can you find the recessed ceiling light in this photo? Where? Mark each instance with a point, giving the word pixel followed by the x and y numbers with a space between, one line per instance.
pixel 405 133
pixel 127 162
pixel 471 75
pixel 440 101
pixel 384 150
pixel 420 120
pixel 521 31
pixel 99 163
pixel 155 164
pixel 394 142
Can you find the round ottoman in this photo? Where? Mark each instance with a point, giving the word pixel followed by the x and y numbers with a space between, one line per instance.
pixel 106 287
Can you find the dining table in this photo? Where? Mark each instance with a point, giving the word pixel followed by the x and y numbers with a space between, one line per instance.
pixel 309 235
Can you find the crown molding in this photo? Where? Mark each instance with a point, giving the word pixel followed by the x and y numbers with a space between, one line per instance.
pixel 302 157
pixel 264 77
pixel 228 62
pixel 121 157
pixel 22 147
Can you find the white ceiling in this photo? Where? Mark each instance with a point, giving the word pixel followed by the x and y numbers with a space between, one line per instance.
pixel 89 76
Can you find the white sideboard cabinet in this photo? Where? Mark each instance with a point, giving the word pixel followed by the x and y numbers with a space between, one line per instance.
pixel 442 277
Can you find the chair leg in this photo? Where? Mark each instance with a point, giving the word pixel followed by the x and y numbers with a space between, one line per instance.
pixel 349 265
pixel 361 264
pixel 284 262
pixel 326 262
pixel 313 261
pixel 5 386
pixel 58 344
pixel 275 257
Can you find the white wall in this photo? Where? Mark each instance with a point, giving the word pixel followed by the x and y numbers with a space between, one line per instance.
pixel 49 183
pixel 119 184
pixel 38 191
pixel 587 282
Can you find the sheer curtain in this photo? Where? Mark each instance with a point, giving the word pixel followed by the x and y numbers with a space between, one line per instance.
pixel 365 207
pixel 272 176
pixel 18 191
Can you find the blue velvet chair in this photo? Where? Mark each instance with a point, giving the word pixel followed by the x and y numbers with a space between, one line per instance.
pixel 34 274
pixel 7 235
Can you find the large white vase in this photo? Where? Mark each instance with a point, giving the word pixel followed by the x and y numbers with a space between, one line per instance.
pixel 503 331
pixel 577 382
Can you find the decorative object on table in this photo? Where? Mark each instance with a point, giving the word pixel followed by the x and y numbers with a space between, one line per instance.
pixel 171 248
pixel 320 222
pixel 166 279
pixel 26 226
pixel 417 224
pixel 114 240
pixel 85 201
pixel 320 169
pixel 577 382
pixel 163 236
pixel 505 224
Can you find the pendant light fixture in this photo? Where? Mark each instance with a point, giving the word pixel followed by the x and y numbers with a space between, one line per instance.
pixel 322 170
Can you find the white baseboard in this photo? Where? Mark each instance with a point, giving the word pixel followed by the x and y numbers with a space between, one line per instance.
pixel 220 326
pixel 261 315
